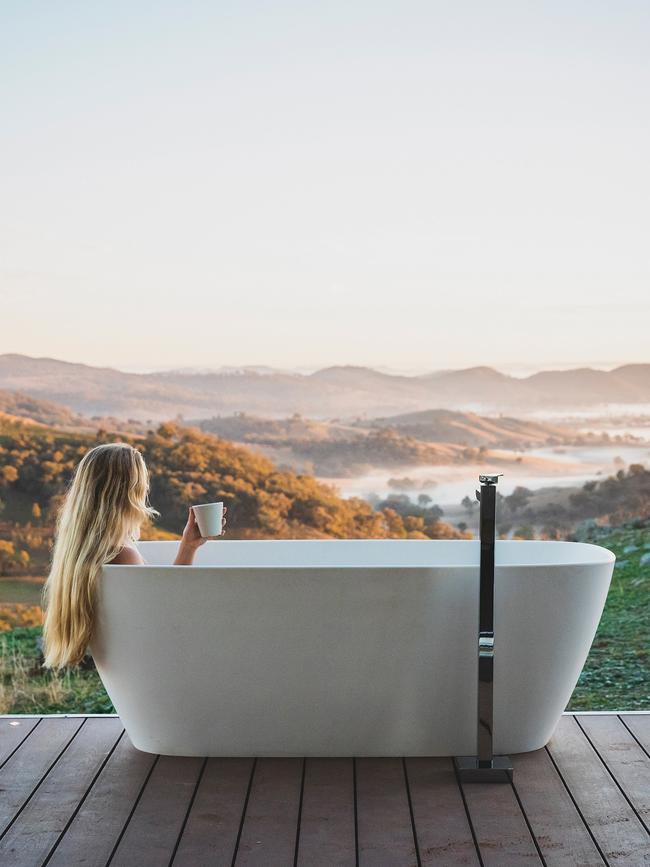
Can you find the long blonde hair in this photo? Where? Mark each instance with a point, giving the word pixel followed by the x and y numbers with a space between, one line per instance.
pixel 105 506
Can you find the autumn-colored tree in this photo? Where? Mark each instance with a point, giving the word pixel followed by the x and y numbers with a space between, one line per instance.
pixel 9 473
pixel 7 554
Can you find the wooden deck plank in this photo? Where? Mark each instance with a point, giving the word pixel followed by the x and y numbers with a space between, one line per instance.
pixel 619 833
pixel 270 826
pixel 499 825
pixel 625 759
pixel 385 831
pixel 26 768
pixel 441 826
pixel 558 828
pixel 157 821
pixel 210 834
pixel 13 732
pixel 37 829
pixel 327 836
pixel 639 725
pixel 93 833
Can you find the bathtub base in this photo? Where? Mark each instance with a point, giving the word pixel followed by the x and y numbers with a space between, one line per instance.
pixel 468 770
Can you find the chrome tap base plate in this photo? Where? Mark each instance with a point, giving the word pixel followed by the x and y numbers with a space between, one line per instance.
pixel 498 771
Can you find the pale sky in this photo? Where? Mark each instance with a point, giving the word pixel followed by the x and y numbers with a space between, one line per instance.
pixel 412 185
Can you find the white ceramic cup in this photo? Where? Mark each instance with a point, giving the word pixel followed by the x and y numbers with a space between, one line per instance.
pixel 209 517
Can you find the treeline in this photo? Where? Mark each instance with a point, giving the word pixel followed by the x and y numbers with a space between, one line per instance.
pixel 621 497
pixel 614 500
pixel 188 466
pixel 330 449
pixel 378 448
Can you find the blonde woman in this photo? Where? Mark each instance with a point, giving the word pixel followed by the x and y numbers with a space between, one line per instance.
pixel 105 506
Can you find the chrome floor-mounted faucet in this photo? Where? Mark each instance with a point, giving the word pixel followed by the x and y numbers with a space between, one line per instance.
pixel 486 767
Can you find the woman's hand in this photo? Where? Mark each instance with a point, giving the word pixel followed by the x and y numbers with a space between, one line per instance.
pixel 192 539
pixel 192 535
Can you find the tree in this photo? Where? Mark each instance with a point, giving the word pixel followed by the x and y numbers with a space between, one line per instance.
pixel 518 499
pixel 468 504
pixel 525 532
pixel 7 553
pixel 9 474
pixel 36 512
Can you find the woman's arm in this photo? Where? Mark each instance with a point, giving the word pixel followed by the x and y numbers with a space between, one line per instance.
pixel 192 539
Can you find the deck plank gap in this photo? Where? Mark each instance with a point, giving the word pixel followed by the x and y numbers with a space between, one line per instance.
pixel 410 802
pixel 575 804
pixel 302 794
pixel 40 781
pixel 132 811
pixel 243 813
pixel 81 802
pixel 187 812
pixel 646 751
pixel 614 779
pixel 469 818
pixel 20 743
pixel 527 821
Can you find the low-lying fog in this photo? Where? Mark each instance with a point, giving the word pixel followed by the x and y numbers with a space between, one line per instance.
pixel 561 466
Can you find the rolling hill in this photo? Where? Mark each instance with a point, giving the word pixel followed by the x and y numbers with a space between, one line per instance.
pixel 186 466
pixel 431 437
pixel 334 392
pixel 470 429
pixel 23 406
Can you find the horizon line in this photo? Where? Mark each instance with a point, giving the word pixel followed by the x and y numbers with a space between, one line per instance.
pixel 505 368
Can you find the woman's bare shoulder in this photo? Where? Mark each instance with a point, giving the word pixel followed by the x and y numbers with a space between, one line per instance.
pixel 128 556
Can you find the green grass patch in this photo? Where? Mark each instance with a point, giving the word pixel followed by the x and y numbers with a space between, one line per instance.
pixel 26 687
pixel 616 675
pixel 26 591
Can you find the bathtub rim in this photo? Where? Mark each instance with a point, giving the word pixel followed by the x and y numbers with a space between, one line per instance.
pixel 599 555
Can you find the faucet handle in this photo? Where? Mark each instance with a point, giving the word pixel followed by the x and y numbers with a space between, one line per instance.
pixel 489 478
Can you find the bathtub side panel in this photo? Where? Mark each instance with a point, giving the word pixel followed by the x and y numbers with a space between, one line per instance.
pixel 300 662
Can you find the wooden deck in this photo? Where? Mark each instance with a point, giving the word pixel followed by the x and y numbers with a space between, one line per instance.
pixel 74 791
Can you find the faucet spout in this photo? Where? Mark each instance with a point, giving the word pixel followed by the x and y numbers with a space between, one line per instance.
pixel 485 766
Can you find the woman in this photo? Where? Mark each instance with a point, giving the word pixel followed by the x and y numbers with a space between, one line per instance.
pixel 99 522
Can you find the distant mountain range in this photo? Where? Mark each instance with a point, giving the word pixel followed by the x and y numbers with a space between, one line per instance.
pixel 334 392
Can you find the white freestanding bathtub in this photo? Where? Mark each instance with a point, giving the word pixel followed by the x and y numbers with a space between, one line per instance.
pixel 341 648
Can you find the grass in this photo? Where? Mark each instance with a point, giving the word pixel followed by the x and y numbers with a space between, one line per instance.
pixel 616 675
pixel 25 687
pixel 26 591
